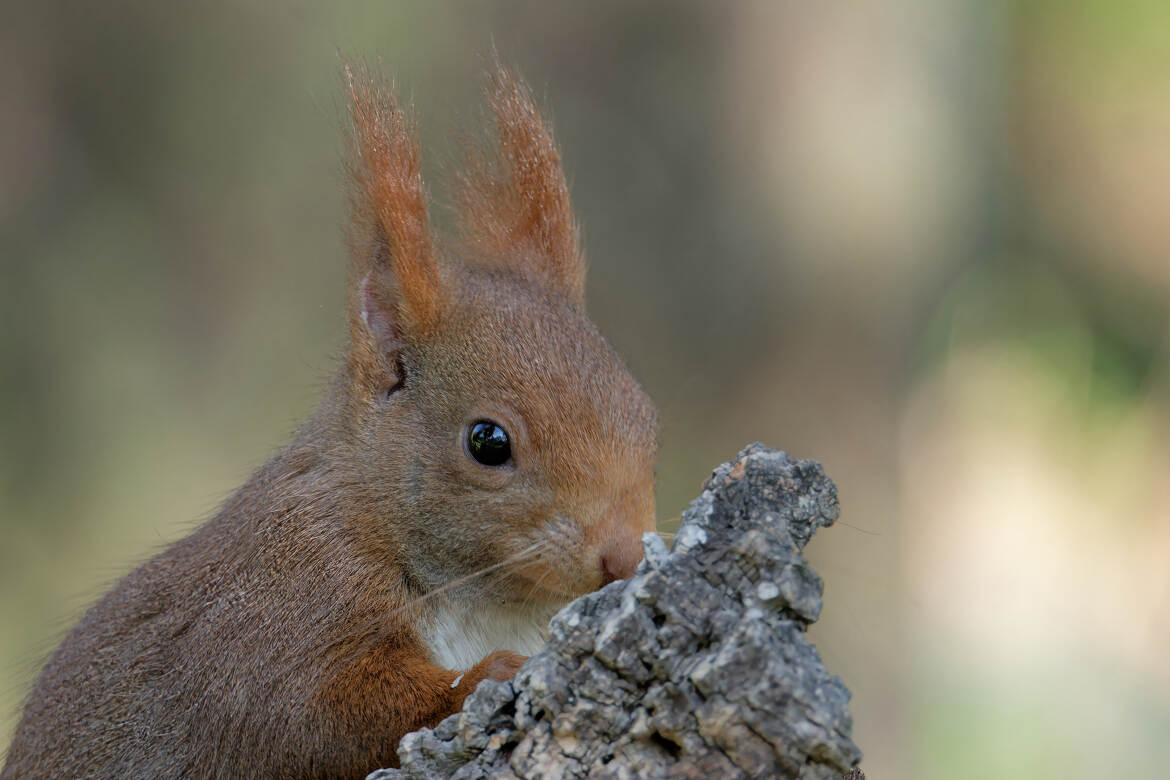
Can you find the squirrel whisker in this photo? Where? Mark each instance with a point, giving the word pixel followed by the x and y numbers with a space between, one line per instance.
pixel 530 551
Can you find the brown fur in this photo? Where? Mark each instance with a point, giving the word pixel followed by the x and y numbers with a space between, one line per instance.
pixel 288 635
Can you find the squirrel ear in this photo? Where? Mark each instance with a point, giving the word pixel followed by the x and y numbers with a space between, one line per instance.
pixel 377 351
pixel 394 291
pixel 515 202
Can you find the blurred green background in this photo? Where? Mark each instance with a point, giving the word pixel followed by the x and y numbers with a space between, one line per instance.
pixel 925 242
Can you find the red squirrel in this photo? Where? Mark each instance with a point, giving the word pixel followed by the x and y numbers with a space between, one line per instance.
pixel 481 458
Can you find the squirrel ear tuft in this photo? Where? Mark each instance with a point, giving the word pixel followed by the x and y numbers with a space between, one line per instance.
pixel 394 290
pixel 514 201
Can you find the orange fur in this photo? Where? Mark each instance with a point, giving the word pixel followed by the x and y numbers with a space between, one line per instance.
pixel 386 167
pixel 515 202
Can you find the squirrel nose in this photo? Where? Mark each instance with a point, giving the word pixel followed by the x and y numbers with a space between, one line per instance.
pixel 619 561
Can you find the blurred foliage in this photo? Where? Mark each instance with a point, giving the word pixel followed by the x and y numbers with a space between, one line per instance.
pixel 1101 341
pixel 925 243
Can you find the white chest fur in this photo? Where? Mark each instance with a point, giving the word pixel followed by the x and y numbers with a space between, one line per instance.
pixel 459 634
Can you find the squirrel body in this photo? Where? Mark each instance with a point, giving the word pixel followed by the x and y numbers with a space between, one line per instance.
pixel 481 458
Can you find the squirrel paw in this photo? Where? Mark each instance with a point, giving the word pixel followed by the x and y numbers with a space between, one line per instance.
pixel 502 665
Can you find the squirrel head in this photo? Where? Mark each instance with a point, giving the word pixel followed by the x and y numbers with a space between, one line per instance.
pixel 487 422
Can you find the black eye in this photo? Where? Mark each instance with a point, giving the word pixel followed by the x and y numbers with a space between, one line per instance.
pixel 488 443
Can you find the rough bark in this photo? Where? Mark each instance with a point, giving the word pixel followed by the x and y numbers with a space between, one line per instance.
pixel 698 666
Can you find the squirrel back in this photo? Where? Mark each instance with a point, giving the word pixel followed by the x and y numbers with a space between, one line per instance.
pixel 481 458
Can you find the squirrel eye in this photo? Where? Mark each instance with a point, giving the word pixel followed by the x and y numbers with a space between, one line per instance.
pixel 488 443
